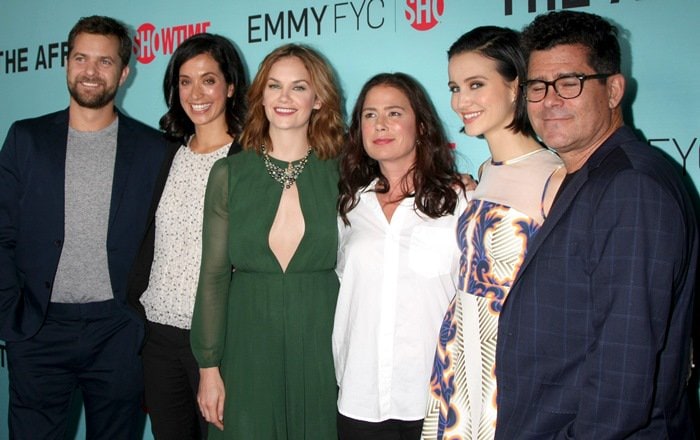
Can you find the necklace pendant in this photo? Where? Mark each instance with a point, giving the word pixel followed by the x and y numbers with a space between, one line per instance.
pixel 285 176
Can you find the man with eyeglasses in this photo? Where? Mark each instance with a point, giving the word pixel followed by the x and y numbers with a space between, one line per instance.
pixel 594 339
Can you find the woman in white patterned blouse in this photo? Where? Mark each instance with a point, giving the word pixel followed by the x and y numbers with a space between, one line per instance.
pixel 205 88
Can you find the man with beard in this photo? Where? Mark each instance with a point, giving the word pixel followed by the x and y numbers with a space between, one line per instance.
pixel 75 189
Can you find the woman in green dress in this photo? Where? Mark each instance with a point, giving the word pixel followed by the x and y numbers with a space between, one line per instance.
pixel 262 333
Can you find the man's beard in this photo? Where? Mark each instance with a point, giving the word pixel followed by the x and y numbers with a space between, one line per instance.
pixel 92 100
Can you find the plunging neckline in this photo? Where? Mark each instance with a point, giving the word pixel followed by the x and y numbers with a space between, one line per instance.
pixel 282 190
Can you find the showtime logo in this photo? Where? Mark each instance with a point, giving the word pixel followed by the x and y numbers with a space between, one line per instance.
pixel 149 41
pixel 423 14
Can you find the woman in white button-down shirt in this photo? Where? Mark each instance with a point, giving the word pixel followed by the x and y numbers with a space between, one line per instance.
pixel 400 195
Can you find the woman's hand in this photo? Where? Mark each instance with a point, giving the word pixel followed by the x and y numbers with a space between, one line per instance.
pixel 469 182
pixel 210 396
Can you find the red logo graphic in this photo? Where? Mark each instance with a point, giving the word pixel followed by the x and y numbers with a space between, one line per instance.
pixel 423 14
pixel 148 40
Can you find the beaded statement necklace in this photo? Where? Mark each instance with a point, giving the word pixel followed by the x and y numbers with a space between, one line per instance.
pixel 285 176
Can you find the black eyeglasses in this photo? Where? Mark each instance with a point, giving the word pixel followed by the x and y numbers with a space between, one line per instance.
pixel 567 87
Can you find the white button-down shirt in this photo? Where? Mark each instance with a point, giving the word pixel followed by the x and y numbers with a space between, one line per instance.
pixel 397 279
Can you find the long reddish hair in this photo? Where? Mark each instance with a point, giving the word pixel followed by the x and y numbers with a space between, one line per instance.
pixel 326 127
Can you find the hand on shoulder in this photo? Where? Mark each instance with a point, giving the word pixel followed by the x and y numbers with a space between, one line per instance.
pixel 469 182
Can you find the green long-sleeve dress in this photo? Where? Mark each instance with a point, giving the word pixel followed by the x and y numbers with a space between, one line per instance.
pixel 269 331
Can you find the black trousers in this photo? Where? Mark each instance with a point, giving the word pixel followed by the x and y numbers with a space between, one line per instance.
pixel 92 347
pixel 352 429
pixel 172 377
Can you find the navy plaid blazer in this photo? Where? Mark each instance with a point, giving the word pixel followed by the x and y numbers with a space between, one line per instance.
pixel 594 337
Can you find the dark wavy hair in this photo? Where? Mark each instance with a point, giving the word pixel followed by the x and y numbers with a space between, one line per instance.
pixel 107 26
pixel 571 27
pixel 503 46
pixel 175 123
pixel 434 173
pixel 326 127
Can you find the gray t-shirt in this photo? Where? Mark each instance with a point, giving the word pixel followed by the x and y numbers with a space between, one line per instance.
pixel 83 273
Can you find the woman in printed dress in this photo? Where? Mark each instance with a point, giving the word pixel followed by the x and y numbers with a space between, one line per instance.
pixel 517 185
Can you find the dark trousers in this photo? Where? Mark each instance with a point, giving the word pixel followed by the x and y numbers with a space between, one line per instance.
pixel 171 375
pixel 352 429
pixel 91 347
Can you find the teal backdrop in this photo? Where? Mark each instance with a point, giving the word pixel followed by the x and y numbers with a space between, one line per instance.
pixel 360 38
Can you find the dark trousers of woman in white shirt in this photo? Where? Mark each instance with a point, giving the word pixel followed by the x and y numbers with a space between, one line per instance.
pixel 352 429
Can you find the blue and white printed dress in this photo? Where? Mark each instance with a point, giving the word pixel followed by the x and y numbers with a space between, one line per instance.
pixel 505 212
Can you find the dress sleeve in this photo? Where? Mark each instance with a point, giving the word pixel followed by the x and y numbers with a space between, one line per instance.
pixel 209 319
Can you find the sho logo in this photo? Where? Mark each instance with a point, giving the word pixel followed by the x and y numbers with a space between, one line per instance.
pixel 424 14
pixel 148 40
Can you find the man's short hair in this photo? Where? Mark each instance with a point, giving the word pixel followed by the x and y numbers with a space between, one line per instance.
pixel 107 26
pixel 570 27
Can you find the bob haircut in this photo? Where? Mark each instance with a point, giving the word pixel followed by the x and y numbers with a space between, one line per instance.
pixel 434 174
pixel 326 127
pixel 106 26
pixel 503 46
pixel 569 27
pixel 175 123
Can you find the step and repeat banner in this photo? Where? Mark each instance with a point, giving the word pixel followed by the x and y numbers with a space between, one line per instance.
pixel 360 38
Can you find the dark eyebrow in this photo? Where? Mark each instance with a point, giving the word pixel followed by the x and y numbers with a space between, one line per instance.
pixel 557 76
pixel 474 77
pixel 203 74
pixel 103 57
pixel 390 107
